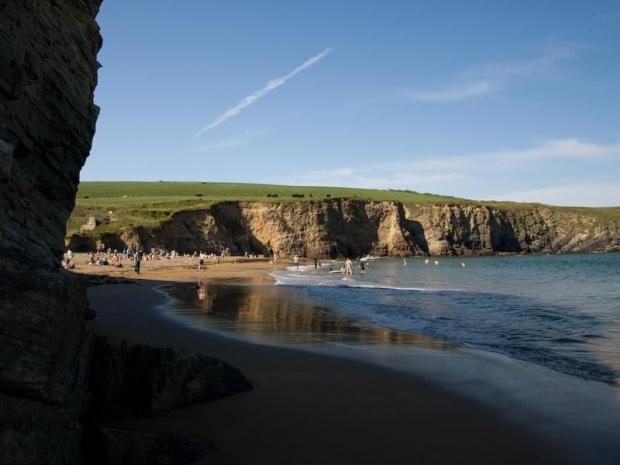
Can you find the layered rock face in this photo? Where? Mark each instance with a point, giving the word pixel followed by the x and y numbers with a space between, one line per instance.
pixel 327 228
pixel 353 227
pixel 48 73
pixel 47 119
pixel 467 230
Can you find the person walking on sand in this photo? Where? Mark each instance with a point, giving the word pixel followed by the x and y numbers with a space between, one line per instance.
pixel 296 261
pixel 137 259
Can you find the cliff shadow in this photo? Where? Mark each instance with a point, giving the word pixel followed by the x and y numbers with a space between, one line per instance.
pixel 504 238
pixel 234 232
pixel 417 236
pixel 350 229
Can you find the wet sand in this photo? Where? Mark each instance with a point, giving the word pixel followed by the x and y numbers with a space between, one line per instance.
pixel 307 408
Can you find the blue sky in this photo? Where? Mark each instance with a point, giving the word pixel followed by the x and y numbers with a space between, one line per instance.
pixel 479 99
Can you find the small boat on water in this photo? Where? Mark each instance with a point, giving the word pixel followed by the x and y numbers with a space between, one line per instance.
pixel 369 258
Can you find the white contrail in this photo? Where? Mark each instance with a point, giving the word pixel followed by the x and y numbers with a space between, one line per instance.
pixel 254 96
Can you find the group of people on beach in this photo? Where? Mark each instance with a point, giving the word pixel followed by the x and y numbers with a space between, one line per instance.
pixel 109 257
pixel 347 268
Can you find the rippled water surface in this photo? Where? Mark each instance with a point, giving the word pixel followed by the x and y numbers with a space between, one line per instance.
pixel 560 311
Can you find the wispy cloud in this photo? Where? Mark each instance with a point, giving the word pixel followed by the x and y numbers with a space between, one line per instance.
pixel 576 195
pixel 499 175
pixel 555 149
pixel 492 77
pixel 455 93
pixel 254 96
pixel 541 65
pixel 558 149
pixel 371 179
pixel 240 140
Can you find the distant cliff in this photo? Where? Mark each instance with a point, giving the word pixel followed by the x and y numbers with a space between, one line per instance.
pixel 354 227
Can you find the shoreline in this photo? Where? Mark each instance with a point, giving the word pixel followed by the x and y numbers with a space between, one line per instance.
pixel 310 407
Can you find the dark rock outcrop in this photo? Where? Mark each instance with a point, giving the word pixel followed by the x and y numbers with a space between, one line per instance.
pixel 47 119
pixel 104 446
pixel 133 379
pixel 48 73
pixel 34 432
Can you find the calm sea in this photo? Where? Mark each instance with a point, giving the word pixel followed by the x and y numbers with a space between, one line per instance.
pixel 457 326
pixel 559 311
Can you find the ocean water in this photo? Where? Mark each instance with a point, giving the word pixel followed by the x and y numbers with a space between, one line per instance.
pixel 559 311
pixel 536 337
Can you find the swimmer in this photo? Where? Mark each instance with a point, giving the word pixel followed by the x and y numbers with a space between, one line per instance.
pixel 427 261
pixel 436 262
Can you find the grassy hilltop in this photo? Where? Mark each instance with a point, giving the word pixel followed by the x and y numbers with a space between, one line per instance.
pixel 150 203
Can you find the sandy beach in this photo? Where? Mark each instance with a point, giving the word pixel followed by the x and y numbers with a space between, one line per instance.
pixel 306 408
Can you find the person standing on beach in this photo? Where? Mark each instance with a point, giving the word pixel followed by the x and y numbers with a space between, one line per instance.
pixel 348 266
pixel 137 259
pixel 296 261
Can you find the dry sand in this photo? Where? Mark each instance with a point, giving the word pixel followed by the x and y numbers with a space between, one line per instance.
pixel 305 408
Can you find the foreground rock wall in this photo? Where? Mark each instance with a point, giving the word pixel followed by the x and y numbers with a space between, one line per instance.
pixel 48 73
pixel 47 119
pixel 353 227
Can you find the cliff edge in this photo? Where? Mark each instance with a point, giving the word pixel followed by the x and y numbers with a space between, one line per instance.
pixel 355 227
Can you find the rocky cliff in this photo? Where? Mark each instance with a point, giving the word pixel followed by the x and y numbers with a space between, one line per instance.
pixel 48 72
pixel 47 121
pixel 353 227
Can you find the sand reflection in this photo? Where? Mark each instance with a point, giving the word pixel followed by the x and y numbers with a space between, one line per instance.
pixel 276 314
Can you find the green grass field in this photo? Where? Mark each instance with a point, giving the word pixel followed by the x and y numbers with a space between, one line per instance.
pixel 150 203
